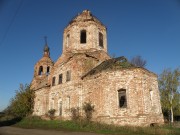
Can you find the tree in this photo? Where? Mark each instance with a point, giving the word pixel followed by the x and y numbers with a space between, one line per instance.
pixel 23 102
pixel 169 82
pixel 138 61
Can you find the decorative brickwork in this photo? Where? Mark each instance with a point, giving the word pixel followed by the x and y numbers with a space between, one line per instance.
pixel 121 93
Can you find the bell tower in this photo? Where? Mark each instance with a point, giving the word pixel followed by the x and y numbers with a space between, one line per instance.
pixel 42 68
pixel 84 33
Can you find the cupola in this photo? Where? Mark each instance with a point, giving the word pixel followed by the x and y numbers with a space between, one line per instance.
pixel 44 65
pixel 84 33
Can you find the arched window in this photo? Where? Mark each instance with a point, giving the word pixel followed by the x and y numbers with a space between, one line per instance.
pixel 60 107
pixel 83 37
pixel 101 40
pixel 60 78
pixel 48 70
pixel 122 98
pixel 68 102
pixel 68 76
pixel 40 70
pixel 151 96
pixel 52 103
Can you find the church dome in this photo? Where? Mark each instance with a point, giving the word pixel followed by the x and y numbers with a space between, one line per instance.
pixel 84 33
pixel 85 16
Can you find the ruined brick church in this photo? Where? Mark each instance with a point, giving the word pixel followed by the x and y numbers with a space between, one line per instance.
pixel 121 93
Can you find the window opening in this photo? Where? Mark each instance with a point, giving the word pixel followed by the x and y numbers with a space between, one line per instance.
pixel 67 40
pixel 83 37
pixel 122 98
pixel 53 81
pixel 40 70
pixel 60 79
pixel 48 70
pixel 101 39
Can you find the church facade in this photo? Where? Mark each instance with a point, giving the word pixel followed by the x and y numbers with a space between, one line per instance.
pixel 121 93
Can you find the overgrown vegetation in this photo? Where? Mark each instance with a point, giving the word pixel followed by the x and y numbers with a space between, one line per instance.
pixel 51 113
pixel 75 114
pixel 88 109
pixel 169 83
pixel 83 126
pixel 22 103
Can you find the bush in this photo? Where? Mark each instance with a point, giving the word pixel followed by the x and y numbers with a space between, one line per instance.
pixel 88 109
pixel 75 115
pixel 51 113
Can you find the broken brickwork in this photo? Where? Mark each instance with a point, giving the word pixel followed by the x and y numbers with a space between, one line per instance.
pixel 121 93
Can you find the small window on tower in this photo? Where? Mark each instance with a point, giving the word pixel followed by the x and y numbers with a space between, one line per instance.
pixel 40 70
pixel 122 98
pixel 53 81
pixel 83 37
pixel 101 40
pixel 68 76
pixel 60 79
pixel 67 40
pixel 48 70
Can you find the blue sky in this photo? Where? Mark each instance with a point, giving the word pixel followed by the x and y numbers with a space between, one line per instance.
pixel 150 28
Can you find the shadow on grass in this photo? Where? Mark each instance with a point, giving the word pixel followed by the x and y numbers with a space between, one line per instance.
pixel 9 122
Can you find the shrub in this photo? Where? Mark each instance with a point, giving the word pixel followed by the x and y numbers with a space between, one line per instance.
pixel 51 113
pixel 75 115
pixel 88 109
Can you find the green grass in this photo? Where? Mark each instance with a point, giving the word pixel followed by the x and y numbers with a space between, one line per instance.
pixel 83 126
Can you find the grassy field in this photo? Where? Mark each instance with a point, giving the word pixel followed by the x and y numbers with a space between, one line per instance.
pixel 83 126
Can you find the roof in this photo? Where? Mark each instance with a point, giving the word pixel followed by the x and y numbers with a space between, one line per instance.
pixel 86 15
pixel 114 63
pixel 99 55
